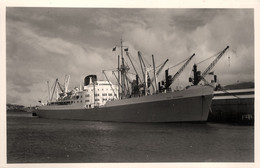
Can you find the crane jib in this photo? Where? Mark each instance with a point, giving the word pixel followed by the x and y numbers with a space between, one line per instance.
pixel 177 74
pixel 214 62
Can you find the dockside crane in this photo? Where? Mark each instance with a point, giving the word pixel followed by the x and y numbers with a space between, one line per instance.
pixel 198 77
pixel 169 79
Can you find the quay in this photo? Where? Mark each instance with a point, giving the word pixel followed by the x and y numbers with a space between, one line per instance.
pixel 233 106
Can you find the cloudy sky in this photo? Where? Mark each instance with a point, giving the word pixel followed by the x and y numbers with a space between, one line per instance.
pixel 43 44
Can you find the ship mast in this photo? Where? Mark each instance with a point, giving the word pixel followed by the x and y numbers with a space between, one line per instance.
pixel 154 73
pixel 122 79
pixel 123 69
pixel 48 91
pixel 118 80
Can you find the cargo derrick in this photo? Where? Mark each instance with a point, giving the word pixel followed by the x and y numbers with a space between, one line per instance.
pixel 138 84
pixel 157 73
pixel 154 73
pixel 54 89
pixel 145 71
pixel 127 54
pixel 146 77
pixel 198 77
pixel 147 81
pixel 109 83
pixel 135 83
pixel 169 79
pixel 62 94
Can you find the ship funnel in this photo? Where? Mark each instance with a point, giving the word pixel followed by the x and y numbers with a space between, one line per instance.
pixel 87 79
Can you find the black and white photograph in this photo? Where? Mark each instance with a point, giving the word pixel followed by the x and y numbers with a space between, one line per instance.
pixel 129 84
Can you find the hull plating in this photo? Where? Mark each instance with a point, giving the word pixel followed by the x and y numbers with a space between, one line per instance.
pixel 181 106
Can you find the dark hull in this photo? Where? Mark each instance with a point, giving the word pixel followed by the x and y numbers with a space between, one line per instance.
pixel 165 109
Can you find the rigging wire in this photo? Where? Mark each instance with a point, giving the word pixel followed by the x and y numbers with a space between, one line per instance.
pixel 114 69
pixel 159 65
pixel 177 64
pixel 209 57
pixel 131 73
pixel 133 59
pixel 147 62
pixel 126 63
pixel 225 91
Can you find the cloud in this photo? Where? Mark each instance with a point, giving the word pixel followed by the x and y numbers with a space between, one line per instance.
pixel 33 58
pixel 70 29
pixel 189 20
pixel 229 28
pixel 47 43
pixel 22 89
pixel 13 99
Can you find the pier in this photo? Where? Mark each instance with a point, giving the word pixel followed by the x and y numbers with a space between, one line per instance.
pixel 233 106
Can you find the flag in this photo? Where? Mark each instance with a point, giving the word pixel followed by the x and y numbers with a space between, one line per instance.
pixel 114 49
pixel 126 49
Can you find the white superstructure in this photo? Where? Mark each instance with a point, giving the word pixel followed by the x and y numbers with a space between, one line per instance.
pixel 93 93
pixel 98 93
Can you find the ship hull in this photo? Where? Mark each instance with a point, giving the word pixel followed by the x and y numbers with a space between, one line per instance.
pixel 182 106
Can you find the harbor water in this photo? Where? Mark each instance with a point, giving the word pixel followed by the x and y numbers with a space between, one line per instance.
pixel 37 140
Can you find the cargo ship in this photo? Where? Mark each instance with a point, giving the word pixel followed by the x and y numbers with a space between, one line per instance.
pixel 144 101
pixel 191 104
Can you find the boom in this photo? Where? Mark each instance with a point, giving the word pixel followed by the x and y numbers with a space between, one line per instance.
pixel 145 72
pixel 178 73
pixel 159 70
pixel 60 86
pixel 213 63
pixel 56 81
pixel 109 83
pixel 66 83
pixel 127 54
pixel 142 64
